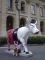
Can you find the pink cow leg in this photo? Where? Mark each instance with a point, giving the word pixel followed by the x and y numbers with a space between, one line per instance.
pixel 9 38
pixel 8 43
pixel 8 46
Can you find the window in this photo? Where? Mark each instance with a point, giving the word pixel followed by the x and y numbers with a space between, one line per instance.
pixel 22 6
pixel 41 26
pixel 32 9
pixel 41 11
pixel 10 4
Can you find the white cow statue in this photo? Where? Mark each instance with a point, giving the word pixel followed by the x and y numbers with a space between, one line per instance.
pixel 24 32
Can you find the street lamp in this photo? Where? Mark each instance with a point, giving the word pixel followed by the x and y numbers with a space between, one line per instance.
pixel 16 4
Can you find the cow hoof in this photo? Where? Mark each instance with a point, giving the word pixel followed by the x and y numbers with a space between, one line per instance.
pixel 27 52
pixel 8 49
pixel 24 51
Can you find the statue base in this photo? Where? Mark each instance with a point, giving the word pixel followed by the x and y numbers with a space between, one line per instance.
pixel 20 54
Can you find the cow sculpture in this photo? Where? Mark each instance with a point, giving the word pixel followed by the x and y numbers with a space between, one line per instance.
pixel 23 33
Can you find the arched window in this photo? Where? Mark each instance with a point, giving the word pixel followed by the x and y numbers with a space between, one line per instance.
pixel 9 23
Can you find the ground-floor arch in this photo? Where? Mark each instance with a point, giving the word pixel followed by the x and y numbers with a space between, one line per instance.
pixel 22 22
pixel 41 26
pixel 9 22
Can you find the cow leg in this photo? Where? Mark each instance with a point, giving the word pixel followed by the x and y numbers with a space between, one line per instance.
pixel 8 44
pixel 24 45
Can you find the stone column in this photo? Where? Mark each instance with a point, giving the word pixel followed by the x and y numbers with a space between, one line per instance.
pixel 29 11
pixel 38 17
pixel 3 28
pixel 3 21
pixel 17 19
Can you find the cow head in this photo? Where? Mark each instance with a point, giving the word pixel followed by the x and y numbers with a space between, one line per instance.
pixel 32 26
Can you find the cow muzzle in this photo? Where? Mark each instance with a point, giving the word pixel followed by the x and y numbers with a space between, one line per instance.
pixel 36 32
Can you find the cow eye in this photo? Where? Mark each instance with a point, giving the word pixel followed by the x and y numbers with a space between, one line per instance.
pixel 32 25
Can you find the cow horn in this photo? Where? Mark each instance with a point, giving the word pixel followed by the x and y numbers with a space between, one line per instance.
pixel 36 22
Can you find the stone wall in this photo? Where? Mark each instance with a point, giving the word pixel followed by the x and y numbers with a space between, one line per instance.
pixel 4 12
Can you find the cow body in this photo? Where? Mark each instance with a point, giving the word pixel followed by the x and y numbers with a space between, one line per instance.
pixel 24 32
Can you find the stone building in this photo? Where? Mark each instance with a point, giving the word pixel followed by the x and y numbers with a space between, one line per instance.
pixel 10 17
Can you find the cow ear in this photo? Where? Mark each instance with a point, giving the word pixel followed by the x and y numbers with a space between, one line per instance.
pixel 36 22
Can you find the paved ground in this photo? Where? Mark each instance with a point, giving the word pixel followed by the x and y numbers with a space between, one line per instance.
pixel 38 53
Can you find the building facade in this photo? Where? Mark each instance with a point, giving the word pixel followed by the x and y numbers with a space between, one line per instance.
pixel 10 17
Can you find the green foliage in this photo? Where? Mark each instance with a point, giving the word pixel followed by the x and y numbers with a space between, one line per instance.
pixel 36 40
pixel 3 40
pixel 31 40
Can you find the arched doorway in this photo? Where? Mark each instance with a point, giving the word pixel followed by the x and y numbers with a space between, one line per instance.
pixel 41 26
pixel 22 22
pixel 9 23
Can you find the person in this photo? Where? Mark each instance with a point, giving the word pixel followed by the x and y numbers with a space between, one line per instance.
pixel 17 48
pixel 17 43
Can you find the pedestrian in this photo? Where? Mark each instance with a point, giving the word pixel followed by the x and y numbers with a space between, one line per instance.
pixel 17 48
